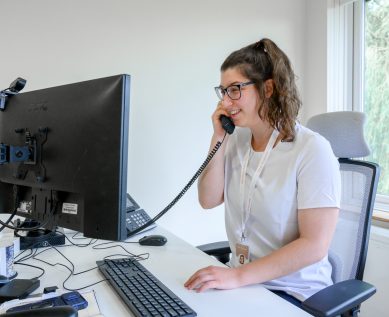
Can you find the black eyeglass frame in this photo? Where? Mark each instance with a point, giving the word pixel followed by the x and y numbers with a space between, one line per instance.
pixel 221 92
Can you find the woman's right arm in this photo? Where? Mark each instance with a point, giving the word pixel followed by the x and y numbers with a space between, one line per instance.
pixel 211 181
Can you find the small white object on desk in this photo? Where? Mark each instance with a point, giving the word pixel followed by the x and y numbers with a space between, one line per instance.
pixel 9 246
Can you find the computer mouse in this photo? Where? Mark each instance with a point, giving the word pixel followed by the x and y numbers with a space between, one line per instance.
pixel 155 240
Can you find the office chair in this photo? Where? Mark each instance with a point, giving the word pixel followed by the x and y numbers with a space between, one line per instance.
pixel 59 311
pixel 348 250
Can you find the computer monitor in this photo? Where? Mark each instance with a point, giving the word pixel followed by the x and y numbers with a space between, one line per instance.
pixel 66 150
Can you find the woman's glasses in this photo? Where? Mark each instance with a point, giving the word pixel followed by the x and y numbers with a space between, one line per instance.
pixel 233 91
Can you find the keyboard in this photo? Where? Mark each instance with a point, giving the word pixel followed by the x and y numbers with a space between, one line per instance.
pixel 142 292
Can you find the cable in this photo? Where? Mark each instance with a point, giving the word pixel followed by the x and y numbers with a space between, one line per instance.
pixel 36 267
pixel 92 241
pixel 26 229
pixel 5 224
pixel 16 204
pixel 16 199
pixel 34 255
pixel 142 256
pixel 32 228
pixel 26 257
pixel 184 190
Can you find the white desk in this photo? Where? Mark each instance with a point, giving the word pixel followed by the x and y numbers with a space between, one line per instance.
pixel 172 263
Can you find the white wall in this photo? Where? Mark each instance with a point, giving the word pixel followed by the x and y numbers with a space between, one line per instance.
pixel 173 50
pixel 376 273
pixel 315 66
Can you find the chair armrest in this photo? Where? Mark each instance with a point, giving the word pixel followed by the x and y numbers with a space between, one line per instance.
pixel 338 298
pixel 216 248
pixel 220 250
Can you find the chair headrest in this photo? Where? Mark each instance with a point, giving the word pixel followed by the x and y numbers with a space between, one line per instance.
pixel 344 131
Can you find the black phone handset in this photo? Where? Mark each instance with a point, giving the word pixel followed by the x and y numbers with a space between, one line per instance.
pixel 227 124
pixel 229 127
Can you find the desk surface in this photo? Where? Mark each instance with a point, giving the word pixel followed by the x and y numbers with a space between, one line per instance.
pixel 172 263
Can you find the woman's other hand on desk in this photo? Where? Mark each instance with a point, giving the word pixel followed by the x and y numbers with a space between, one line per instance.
pixel 213 277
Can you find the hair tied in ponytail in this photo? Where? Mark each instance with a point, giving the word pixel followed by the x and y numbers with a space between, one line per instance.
pixel 260 45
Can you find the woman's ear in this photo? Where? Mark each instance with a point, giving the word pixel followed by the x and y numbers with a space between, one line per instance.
pixel 269 86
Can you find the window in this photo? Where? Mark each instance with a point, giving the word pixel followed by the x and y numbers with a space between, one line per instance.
pixel 376 91
pixel 345 52
pixel 358 74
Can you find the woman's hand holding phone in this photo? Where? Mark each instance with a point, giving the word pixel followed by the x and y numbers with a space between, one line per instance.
pixel 218 128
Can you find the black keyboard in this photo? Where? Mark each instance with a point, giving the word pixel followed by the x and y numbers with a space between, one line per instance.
pixel 143 293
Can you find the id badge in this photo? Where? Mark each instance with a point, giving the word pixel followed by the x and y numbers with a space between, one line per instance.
pixel 242 253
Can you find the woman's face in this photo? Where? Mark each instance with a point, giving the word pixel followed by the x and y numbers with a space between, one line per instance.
pixel 244 111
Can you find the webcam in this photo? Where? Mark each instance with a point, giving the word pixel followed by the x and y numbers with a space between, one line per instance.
pixel 16 86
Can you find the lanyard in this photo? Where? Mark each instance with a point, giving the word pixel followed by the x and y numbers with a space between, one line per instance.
pixel 246 206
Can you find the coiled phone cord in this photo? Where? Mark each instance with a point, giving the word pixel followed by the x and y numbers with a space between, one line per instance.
pixel 185 189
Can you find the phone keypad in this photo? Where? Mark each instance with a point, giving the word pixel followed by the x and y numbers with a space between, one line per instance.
pixel 137 218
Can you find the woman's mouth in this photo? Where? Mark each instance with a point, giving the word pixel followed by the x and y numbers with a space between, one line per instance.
pixel 233 113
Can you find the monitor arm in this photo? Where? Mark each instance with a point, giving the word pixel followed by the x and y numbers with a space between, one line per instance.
pixel 28 156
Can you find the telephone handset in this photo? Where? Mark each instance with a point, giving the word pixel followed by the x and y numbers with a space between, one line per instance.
pixel 227 124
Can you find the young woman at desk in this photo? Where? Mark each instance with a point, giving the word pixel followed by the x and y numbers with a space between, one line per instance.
pixel 279 181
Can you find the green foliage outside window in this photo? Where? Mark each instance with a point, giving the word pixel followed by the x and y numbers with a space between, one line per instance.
pixel 376 103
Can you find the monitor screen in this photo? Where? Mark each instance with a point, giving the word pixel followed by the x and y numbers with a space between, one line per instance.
pixel 74 171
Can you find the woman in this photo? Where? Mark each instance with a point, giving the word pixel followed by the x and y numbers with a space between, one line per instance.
pixel 279 181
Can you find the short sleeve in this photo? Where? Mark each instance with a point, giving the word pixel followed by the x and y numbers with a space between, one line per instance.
pixel 318 175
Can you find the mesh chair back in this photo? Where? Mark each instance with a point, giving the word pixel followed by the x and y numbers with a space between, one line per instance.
pixel 348 249
pixel 344 131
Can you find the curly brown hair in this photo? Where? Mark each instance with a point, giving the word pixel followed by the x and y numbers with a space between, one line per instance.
pixel 259 62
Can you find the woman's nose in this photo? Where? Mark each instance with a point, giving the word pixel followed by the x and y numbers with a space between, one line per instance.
pixel 226 102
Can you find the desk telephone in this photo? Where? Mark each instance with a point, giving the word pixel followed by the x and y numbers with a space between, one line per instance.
pixel 135 217
pixel 139 220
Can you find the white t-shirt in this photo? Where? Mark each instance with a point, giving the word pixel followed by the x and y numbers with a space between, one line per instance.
pixel 297 175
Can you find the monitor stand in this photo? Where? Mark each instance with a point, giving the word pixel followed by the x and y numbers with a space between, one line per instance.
pixel 41 237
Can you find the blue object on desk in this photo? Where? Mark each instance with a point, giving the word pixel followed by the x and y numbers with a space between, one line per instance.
pixel 61 311
pixel 73 299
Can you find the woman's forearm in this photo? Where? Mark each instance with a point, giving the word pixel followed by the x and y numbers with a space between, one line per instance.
pixel 288 259
pixel 316 226
pixel 211 181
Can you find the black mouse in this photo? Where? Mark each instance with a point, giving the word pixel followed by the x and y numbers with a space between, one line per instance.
pixel 155 240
